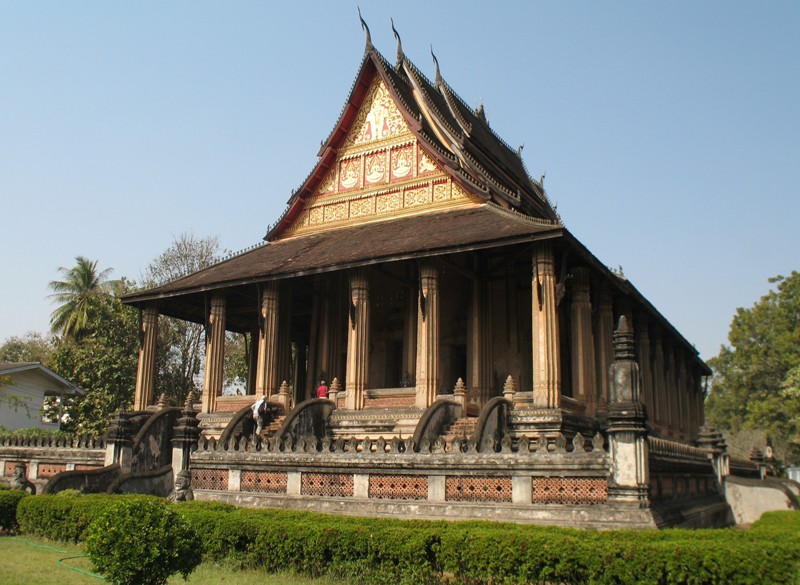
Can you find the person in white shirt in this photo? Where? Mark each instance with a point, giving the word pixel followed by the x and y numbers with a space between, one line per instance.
pixel 259 408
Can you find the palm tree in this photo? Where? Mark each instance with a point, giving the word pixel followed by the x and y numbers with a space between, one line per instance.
pixel 81 283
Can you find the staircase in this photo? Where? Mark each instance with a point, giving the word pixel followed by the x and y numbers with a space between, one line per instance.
pixel 461 429
pixel 273 426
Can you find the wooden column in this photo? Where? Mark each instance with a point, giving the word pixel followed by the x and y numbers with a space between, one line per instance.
pixel 252 361
pixel 546 362
pixel 357 342
pixel 659 392
pixel 314 343
pixel 682 395
pixel 146 370
pixel 215 355
pixel 603 340
pixel 408 375
pixel 669 394
pixel 479 365
pixel 427 383
pixel 267 379
pixel 643 356
pixel 583 368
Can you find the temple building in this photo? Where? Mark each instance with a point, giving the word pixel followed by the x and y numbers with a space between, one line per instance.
pixel 419 251
pixel 482 362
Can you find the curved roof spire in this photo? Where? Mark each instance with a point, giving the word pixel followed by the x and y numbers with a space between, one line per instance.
pixel 436 62
pixel 364 26
pixel 400 56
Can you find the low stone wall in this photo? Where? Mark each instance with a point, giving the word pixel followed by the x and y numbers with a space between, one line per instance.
pixel 750 498
pixel 546 482
pixel 45 457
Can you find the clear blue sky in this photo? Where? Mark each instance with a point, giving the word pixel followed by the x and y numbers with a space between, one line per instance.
pixel 669 131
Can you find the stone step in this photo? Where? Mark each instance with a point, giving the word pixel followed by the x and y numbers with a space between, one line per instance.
pixel 463 427
pixel 273 427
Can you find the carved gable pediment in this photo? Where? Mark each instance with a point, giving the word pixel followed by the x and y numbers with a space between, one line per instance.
pixel 380 172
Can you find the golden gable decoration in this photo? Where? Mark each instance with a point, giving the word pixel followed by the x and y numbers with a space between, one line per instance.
pixel 378 119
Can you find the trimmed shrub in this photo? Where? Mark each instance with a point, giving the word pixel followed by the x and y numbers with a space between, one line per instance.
pixel 142 542
pixel 65 518
pixel 9 500
pixel 384 550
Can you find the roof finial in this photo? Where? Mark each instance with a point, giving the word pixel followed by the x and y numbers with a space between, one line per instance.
pixel 436 62
pixel 364 26
pixel 400 55
pixel 519 150
pixel 480 112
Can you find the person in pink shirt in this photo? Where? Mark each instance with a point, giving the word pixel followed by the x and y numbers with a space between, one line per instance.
pixel 322 390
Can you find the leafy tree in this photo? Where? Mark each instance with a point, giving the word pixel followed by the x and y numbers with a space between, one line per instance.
pixel 81 284
pixel 32 347
pixel 756 381
pixel 102 362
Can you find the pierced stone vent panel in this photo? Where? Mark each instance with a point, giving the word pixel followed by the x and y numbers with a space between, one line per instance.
pixel 326 484
pixel 48 470
pixel 561 490
pixel 398 487
pixel 477 489
pixel 209 479
pixel 389 402
pixel 8 469
pixel 264 481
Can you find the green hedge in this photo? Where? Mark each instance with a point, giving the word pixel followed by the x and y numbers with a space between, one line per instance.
pixel 9 500
pixel 64 518
pixel 380 550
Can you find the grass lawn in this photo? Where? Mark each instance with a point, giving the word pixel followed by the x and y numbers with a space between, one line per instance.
pixel 33 561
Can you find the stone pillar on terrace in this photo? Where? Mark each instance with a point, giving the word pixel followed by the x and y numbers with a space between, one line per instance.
pixel 146 371
pixel 603 342
pixel 427 377
pixel 119 442
pixel 583 369
pixel 214 376
pixel 546 359
pixel 184 440
pixel 357 342
pixel 267 377
pixel 711 439
pixel 627 433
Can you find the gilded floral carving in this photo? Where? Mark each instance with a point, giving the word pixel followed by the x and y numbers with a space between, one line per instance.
pixel 327 184
pixel 336 212
pixel 315 216
pixel 441 192
pixel 426 164
pixel 417 196
pixel 388 202
pixel 378 117
pixel 362 207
